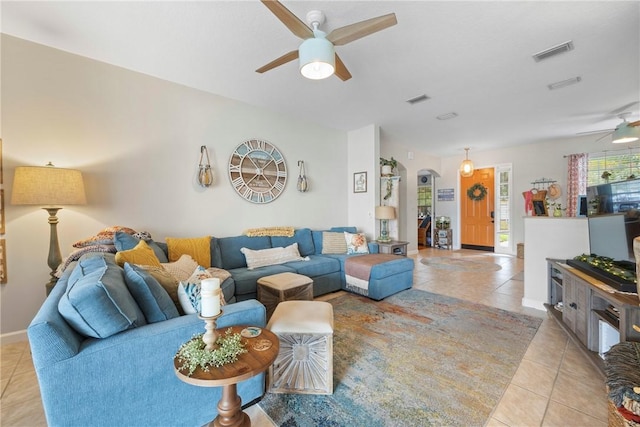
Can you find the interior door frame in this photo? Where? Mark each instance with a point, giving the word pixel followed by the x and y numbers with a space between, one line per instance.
pixel 463 193
pixel 510 249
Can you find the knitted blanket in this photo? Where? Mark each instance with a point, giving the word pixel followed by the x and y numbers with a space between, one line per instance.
pixel 270 231
pixel 622 368
pixel 357 271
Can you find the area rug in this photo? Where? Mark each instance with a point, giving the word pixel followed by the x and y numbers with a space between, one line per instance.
pixel 460 264
pixel 413 359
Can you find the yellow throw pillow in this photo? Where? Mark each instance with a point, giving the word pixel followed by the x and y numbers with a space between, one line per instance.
pixel 142 254
pixel 198 247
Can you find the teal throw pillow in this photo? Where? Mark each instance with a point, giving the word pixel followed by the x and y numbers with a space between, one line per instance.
pixel 97 302
pixel 154 301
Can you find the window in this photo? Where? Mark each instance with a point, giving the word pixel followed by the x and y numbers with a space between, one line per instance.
pixel 621 165
pixel 424 200
pixel 504 243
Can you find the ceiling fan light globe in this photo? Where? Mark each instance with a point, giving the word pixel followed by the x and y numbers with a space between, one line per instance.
pixel 317 58
pixel 625 133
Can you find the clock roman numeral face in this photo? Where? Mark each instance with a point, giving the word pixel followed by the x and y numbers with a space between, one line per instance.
pixel 257 171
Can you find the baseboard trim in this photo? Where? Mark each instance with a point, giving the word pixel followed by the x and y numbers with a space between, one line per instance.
pixel 478 248
pixel 531 303
pixel 13 337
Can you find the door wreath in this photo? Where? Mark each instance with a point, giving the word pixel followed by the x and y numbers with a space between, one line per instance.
pixel 477 192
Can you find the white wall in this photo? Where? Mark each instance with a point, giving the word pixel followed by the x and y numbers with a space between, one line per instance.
pixel 137 141
pixel 530 162
pixel 408 169
pixel 362 152
pixel 549 237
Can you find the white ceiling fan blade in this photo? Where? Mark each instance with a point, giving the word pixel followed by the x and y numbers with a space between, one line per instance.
pixel 623 108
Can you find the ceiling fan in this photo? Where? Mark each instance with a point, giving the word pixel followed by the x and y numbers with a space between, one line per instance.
pixel 625 132
pixel 318 59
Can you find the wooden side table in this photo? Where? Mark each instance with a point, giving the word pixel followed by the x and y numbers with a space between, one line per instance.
pixel 287 286
pixel 261 353
pixel 394 247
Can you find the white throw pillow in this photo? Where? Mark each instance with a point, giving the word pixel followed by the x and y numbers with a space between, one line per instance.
pixel 333 243
pixel 356 243
pixel 271 256
pixel 181 269
pixel 189 290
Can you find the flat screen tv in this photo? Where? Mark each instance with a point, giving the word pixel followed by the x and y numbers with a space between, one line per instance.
pixel 612 236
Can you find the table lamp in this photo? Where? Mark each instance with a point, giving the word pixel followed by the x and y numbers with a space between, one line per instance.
pixel 384 214
pixel 49 187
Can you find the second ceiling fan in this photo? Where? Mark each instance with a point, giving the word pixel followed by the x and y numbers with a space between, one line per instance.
pixel 317 56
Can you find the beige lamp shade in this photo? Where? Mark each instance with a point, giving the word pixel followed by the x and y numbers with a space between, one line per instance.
pixel 385 212
pixel 47 186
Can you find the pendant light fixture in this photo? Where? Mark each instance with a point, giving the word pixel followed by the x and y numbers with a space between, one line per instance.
pixel 466 167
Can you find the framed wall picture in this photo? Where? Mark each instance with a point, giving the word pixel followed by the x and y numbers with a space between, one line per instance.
pixel 2 230
pixel 539 208
pixel 360 182
pixel 3 261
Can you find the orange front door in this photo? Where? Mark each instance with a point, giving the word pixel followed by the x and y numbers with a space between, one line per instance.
pixel 477 229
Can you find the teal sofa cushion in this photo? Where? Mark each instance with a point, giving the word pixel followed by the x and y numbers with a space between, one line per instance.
pixel 125 242
pixel 97 302
pixel 317 265
pixel 153 300
pixel 301 236
pixel 231 255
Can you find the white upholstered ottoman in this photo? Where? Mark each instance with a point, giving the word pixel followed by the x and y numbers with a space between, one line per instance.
pixel 305 361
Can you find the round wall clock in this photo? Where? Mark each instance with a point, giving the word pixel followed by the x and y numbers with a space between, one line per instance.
pixel 257 171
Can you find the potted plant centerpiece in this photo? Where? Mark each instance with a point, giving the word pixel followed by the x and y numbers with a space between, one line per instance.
pixel 388 166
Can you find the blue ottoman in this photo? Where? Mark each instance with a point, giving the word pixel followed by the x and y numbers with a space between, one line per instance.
pixel 378 276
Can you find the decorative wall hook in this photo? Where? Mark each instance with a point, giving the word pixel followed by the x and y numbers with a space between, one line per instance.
pixel 205 174
pixel 303 186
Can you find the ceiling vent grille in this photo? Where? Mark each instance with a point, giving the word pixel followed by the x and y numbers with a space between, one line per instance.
pixel 553 51
pixel 447 116
pixel 564 83
pixel 417 99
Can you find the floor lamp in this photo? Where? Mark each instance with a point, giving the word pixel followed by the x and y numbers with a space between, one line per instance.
pixel 49 187
pixel 384 214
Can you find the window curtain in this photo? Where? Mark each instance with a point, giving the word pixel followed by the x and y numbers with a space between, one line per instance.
pixel 577 180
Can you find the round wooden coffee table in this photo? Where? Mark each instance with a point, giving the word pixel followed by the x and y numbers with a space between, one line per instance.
pixel 261 353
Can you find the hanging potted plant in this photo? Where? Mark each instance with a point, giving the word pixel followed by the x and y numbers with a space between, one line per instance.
pixel 388 166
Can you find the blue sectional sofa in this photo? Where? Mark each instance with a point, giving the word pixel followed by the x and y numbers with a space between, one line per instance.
pixel 326 270
pixel 103 350
pixel 126 379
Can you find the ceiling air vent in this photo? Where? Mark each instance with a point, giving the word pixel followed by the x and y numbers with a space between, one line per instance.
pixel 417 99
pixel 564 83
pixel 447 116
pixel 553 51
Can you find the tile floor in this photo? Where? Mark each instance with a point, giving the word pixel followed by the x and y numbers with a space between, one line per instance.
pixel 555 384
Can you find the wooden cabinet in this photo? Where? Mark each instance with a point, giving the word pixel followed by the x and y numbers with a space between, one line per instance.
pixel 581 304
pixel 576 306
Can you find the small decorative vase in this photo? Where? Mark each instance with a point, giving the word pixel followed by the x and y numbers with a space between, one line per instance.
pixel 386 170
pixel 557 212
